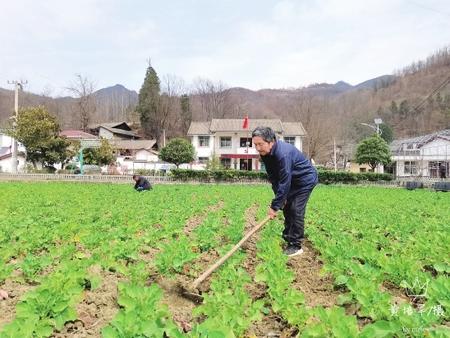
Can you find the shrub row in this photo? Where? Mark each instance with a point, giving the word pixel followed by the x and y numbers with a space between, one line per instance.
pixel 330 177
pixel 325 176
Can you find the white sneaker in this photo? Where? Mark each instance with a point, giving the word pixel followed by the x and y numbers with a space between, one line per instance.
pixel 292 251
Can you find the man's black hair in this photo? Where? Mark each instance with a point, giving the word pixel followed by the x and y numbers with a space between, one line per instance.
pixel 266 133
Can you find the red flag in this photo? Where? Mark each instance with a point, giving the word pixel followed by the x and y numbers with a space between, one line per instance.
pixel 245 124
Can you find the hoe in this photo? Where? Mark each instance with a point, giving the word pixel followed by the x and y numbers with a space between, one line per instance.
pixel 190 291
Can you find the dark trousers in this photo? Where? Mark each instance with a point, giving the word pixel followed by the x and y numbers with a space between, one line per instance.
pixel 294 217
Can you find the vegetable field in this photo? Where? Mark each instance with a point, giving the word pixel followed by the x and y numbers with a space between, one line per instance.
pixel 82 260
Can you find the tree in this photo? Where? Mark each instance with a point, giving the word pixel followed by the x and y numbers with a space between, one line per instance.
pixel 103 155
pixel 149 104
pixel 178 151
pixel 373 150
pixel 394 108
pixel 403 109
pixel 386 133
pixel 169 114
pixel 84 91
pixel 215 98
pixel 186 112
pixel 38 131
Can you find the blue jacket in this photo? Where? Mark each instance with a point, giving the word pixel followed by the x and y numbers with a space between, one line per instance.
pixel 289 171
pixel 142 184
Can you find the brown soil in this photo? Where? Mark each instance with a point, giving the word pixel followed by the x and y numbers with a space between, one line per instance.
pixel 16 289
pixel 271 325
pixel 316 286
pixel 179 306
pixel 196 220
pixel 256 290
pixel 15 292
pixel 398 294
pixel 97 308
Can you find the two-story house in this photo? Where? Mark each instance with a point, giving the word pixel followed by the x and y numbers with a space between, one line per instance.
pixel 228 141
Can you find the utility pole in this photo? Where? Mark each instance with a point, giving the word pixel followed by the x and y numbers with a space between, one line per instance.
pixel 334 154
pixel 17 85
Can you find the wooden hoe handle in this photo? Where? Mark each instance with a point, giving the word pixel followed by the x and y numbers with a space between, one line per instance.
pixel 213 267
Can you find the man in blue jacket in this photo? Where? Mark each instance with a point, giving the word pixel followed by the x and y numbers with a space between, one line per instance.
pixel 293 178
pixel 142 184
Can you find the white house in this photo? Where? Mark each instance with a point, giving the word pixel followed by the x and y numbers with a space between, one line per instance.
pixel 6 155
pixel 227 140
pixel 423 156
pixel 133 155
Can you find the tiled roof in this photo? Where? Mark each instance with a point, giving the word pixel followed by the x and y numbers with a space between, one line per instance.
pixel 199 128
pixel 120 131
pixel 419 141
pixel 133 144
pixel 285 128
pixel 77 134
pixel 108 124
pixel 236 124
pixel 293 128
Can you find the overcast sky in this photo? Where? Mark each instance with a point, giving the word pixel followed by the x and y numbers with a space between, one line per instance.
pixel 253 44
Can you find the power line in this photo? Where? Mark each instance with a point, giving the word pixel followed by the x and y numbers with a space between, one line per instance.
pixel 429 8
pixel 437 89
pixel 17 85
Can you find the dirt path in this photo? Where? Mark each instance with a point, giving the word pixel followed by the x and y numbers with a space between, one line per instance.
pixel 180 307
pixel 271 325
pixel 317 287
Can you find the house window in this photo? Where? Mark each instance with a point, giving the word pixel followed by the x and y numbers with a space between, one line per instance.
pixel 225 142
pixel 411 167
pixel 245 141
pixel 362 170
pixel 290 140
pixel 226 162
pixel 203 160
pixel 203 141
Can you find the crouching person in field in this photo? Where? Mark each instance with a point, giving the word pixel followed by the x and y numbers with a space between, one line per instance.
pixel 142 184
pixel 293 178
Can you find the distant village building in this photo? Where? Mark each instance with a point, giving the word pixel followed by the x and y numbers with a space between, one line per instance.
pixel 424 156
pixel 231 144
pixel 132 155
pixel 114 130
pixel 6 154
pixel 77 135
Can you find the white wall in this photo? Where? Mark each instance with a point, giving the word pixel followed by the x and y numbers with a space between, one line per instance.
pixel 103 133
pixel 145 155
pixel 6 141
pixel 439 149
pixel 203 151
pixel 5 164
pixel 235 144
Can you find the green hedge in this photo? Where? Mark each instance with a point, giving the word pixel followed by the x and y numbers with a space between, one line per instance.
pixel 330 177
pixel 325 176
pixel 216 175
